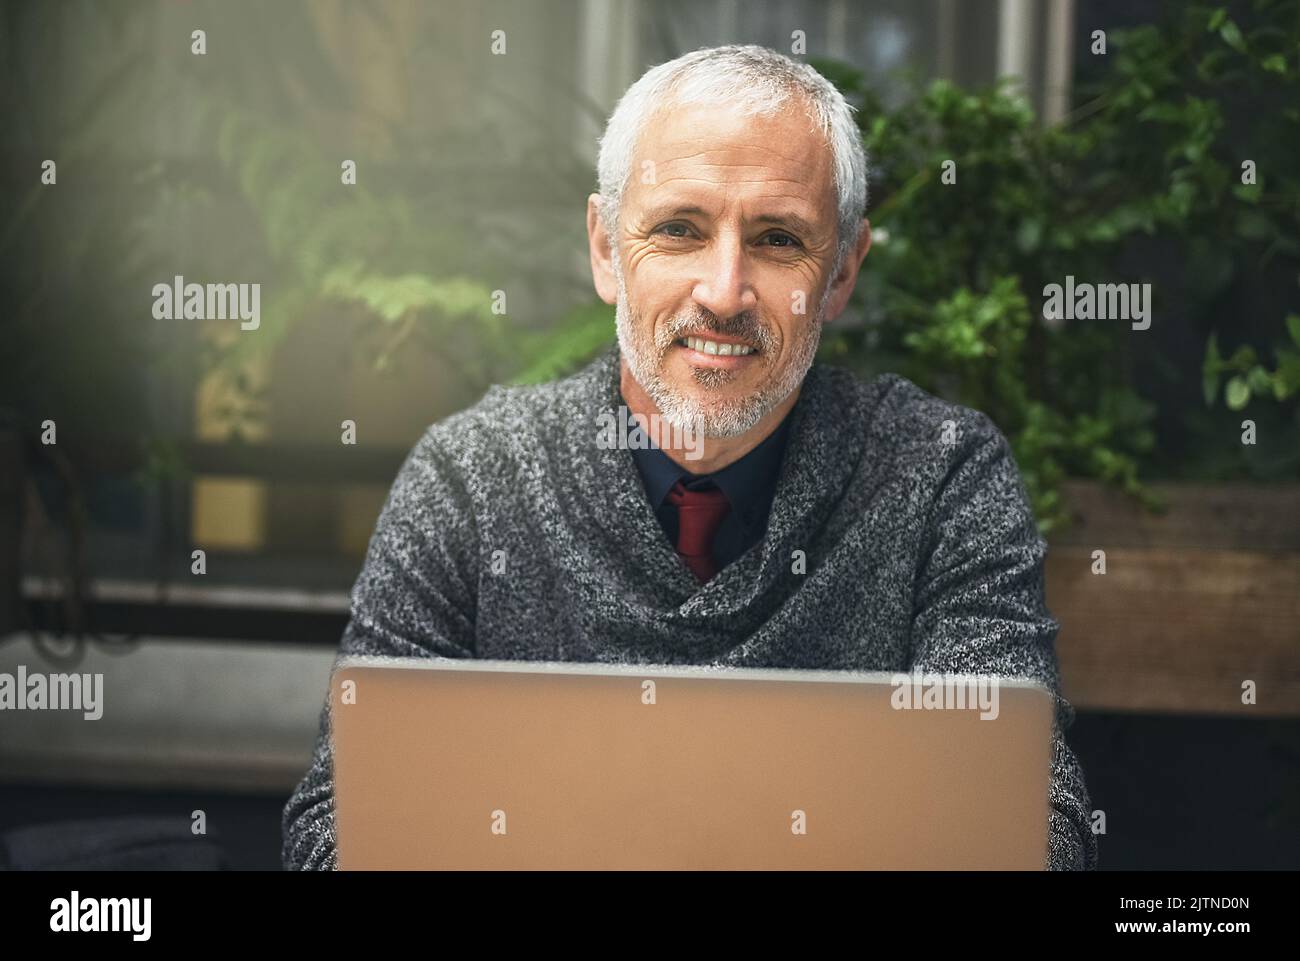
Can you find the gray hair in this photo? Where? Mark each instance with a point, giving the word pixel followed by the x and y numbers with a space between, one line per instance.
pixel 758 81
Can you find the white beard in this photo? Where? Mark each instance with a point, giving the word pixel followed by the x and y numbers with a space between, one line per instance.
pixel 645 353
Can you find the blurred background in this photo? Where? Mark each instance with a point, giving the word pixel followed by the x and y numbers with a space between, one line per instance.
pixel 1115 142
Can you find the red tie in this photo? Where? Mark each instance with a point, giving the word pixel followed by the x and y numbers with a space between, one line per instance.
pixel 698 515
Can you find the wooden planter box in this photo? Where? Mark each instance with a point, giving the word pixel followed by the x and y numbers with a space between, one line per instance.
pixel 1193 603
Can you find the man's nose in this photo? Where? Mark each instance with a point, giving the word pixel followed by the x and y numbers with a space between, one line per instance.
pixel 725 287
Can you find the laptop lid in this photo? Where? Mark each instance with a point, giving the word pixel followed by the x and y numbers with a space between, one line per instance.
pixel 472 764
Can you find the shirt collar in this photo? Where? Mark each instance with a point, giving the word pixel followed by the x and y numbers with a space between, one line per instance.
pixel 749 483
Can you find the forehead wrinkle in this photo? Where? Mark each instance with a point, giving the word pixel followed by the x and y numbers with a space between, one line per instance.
pixel 662 181
pixel 655 190
pixel 798 149
pixel 675 127
pixel 693 159
pixel 653 205
pixel 795 155
pixel 734 174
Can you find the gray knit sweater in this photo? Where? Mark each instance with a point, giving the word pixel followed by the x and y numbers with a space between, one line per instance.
pixel 921 554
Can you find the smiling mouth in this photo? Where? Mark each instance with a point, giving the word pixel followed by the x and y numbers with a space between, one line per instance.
pixel 716 348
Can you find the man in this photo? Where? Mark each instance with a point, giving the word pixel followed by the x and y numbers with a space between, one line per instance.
pixel 794 517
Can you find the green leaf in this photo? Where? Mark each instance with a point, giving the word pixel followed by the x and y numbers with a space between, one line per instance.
pixel 1293 326
pixel 583 332
pixel 393 298
pixel 1247 192
pixel 1231 34
pixel 1238 393
pixel 1274 63
pixel 1243 357
pixel 1260 381
pixel 1029 235
pixel 1287 378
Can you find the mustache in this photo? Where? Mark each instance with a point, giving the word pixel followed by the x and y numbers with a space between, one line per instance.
pixel 745 326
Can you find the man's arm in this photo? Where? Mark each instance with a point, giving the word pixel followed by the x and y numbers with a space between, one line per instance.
pixel 979 609
pixel 415 598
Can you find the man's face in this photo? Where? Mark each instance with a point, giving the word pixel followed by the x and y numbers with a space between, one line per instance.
pixel 726 242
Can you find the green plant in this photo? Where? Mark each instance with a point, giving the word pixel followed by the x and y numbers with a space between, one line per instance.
pixel 1219 96
pixel 416 251
pixel 947 289
pixel 1143 182
pixel 1245 375
pixel 578 336
pixel 360 248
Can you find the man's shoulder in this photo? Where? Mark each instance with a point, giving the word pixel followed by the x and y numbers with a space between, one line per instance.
pixel 942 459
pixel 904 417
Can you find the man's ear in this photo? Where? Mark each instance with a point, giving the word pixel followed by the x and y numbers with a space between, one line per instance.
pixel 843 282
pixel 602 264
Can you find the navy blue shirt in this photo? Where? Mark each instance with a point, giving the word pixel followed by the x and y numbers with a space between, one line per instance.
pixel 748 483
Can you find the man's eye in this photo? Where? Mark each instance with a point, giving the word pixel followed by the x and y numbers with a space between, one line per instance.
pixel 780 239
pixel 674 230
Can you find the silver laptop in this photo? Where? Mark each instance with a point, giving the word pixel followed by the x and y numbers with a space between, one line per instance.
pixel 487 765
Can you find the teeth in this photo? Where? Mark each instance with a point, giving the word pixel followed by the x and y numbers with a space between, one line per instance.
pixel 714 347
